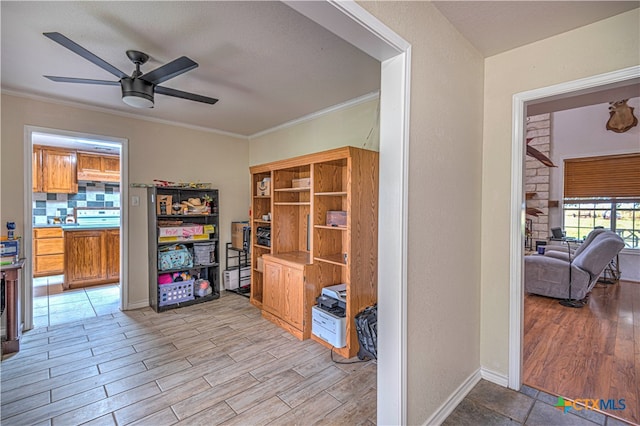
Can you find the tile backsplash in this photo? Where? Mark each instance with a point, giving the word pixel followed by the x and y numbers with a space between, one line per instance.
pixel 90 194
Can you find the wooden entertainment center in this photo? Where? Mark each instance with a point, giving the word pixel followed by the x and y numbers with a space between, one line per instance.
pixel 304 253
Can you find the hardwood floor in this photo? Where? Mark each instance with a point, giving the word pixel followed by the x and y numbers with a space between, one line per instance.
pixel 209 364
pixel 592 352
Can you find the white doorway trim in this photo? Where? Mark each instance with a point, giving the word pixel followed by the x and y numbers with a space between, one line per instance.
pixel 516 268
pixel 352 23
pixel 28 221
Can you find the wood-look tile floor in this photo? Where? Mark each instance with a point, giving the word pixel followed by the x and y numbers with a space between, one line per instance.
pixel 214 363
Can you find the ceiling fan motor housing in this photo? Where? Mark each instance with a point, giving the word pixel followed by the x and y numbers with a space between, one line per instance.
pixel 136 87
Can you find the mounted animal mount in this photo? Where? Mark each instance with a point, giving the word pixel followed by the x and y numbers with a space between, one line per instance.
pixel 621 117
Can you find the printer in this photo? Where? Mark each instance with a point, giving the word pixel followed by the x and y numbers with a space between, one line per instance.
pixel 328 317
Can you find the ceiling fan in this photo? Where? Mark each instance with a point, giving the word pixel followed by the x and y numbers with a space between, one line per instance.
pixel 139 89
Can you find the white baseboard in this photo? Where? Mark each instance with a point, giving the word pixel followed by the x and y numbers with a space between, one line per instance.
pixel 136 305
pixel 454 399
pixel 492 376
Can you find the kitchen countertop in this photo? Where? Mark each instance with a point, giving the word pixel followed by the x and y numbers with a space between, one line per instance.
pixel 76 227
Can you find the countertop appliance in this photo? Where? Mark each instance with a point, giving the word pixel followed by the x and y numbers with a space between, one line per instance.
pixel 98 216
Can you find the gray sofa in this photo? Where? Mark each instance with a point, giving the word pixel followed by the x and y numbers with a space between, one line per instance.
pixel 549 276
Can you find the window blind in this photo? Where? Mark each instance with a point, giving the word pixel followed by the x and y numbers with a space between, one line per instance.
pixel 606 176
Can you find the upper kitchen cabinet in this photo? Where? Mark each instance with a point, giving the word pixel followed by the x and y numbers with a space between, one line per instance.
pixel 54 170
pixel 98 167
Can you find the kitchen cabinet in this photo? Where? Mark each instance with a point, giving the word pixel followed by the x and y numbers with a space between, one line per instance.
pixel 54 170
pixel 91 257
pixel 98 167
pixel 36 170
pixel 112 243
pixel 48 251
pixel 298 206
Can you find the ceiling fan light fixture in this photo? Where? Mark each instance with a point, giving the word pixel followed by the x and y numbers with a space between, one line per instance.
pixel 137 93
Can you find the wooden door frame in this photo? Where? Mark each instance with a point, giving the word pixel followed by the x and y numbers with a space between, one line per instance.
pixel 517 223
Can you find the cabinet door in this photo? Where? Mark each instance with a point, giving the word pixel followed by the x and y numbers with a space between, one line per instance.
pixel 48 265
pixel 89 163
pixel 293 297
pixel 59 173
pixel 111 164
pixel 272 292
pixel 113 253
pixel 36 170
pixel 45 246
pixel 85 256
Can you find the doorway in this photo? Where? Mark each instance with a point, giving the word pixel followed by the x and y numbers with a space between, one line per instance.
pixel 56 210
pixel 521 102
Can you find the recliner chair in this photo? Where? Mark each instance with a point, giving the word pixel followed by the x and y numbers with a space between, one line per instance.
pixel 549 276
pixel 561 252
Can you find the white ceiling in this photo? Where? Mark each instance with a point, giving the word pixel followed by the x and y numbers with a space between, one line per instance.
pixel 497 26
pixel 266 63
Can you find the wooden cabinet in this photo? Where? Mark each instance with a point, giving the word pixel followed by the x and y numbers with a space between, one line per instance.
pixel 112 243
pixel 36 170
pixel 48 252
pixel 54 170
pixel 91 257
pixel 307 253
pixel 288 294
pixel 98 167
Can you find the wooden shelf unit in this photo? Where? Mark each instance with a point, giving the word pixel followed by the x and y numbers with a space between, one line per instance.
pixel 306 254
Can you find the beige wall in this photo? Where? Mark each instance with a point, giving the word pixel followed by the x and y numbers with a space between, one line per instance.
pixel 602 47
pixel 156 151
pixel 444 204
pixel 353 126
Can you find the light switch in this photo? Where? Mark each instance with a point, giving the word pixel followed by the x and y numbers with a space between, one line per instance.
pixel 135 200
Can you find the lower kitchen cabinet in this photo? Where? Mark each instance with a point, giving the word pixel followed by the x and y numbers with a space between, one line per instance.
pixel 48 251
pixel 113 253
pixel 91 257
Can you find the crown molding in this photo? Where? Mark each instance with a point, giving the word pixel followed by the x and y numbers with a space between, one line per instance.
pixel 120 113
pixel 314 115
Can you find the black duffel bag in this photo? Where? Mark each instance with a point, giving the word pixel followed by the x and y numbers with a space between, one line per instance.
pixel 367 328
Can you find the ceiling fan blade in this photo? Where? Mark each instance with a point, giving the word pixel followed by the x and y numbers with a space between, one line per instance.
pixel 82 80
pixel 170 70
pixel 79 50
pixel 185 95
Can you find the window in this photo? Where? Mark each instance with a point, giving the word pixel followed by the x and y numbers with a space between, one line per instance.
pixel 621 216
pixel 603 192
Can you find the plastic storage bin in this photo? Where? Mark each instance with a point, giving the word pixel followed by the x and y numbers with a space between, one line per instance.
pixel 172 293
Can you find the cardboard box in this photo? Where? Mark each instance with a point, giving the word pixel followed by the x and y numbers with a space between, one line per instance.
pixel 263 188
pixel 163 204
pixel 184 231
pixel 238 232
pixel 301 183
pixel 336 218
pixel 260 264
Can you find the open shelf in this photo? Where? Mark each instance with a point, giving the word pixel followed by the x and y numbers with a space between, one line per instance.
pixel 331 194
pixel 305 189
pixel 292 203
pixel 334 259
pixel 336 228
